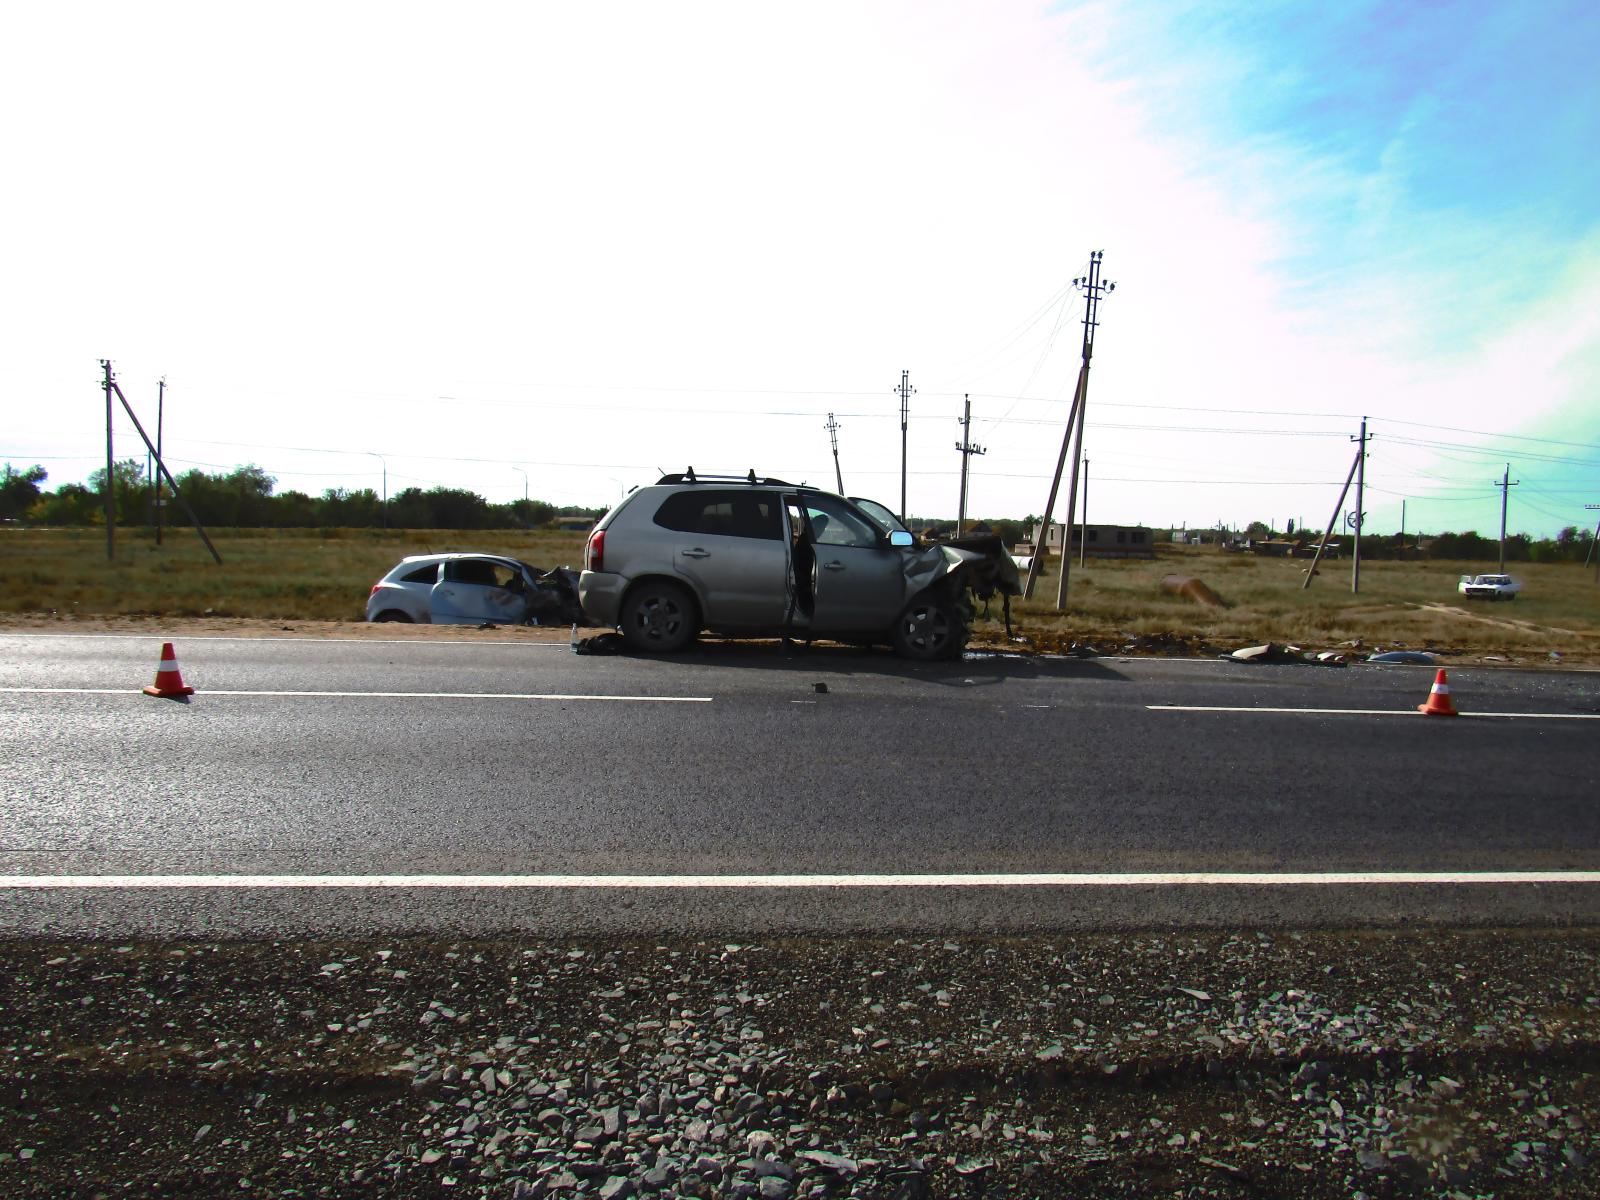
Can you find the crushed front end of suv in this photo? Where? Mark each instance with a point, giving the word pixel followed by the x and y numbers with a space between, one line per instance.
pixel 754 557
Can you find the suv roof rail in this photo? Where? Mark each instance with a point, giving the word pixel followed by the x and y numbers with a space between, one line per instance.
pixel 690 476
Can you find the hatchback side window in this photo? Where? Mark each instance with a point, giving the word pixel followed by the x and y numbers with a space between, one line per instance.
pixel 427 574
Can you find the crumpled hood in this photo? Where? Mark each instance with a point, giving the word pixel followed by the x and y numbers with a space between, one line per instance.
pixel 980 560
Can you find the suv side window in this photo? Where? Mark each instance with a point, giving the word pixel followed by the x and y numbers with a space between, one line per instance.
pixel 722 513
pixel 834 523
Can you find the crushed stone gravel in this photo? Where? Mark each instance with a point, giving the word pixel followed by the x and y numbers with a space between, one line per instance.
pixel 1317 1064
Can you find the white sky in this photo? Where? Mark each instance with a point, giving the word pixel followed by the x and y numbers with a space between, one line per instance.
pixel 587 242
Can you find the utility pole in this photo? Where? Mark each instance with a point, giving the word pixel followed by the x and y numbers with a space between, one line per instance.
pixel 1093 290
pixel 1357 518
pixel 161 405
pixel 833 436
pixel 1402 528
pixel 112 387
pixel 111 504
pixel 1080 397
pixel 1083 528
pixel 906 392
pixel 1505 485
pixel 967 450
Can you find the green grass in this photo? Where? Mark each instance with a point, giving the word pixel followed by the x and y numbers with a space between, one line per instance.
pixel 273 574
pixel 325 575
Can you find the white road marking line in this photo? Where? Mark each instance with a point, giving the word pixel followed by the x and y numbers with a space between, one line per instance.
pixel 1132 879
pixel 203 692
pixel 1364 712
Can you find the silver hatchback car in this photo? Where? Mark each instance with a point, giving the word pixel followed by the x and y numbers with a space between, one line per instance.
pixel 471 589
pixel 757 557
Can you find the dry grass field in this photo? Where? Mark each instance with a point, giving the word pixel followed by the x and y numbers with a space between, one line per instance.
pixel 324 575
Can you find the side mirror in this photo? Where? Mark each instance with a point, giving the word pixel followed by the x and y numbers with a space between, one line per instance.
pixel 901 540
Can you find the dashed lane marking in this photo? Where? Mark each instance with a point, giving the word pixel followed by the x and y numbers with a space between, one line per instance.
pixel 1364 712
pixel 598 882
pixel 370 695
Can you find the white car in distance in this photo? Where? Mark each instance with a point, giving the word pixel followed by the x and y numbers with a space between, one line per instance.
pixel 1489 587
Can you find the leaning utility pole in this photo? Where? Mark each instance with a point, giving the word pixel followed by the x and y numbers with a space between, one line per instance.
pixel 833 435
pixel 1333 520
pixel 966 450
pixel 1356 519
pixel 906 392
pixel 1505 485
pixel 1093 289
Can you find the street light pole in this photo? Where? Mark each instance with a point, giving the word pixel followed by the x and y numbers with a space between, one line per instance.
pixel 524 475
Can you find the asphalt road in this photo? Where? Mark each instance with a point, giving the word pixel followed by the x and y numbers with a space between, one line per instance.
pixel 729 763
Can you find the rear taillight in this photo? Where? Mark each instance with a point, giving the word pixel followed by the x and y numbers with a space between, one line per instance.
pixel 374 590
pixel 594 555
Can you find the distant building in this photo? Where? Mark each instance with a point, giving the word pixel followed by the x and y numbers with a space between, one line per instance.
pixel 1100 541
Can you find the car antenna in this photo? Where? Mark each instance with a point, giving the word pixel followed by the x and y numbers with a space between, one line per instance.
pixel 752 476
pixel 691 474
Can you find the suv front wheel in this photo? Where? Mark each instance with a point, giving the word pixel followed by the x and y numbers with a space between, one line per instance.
pixel 931 629
pixel 658 617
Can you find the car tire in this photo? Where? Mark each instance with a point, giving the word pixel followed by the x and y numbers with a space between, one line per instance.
pixel 658 617
pixel 930 630
pixel 394 614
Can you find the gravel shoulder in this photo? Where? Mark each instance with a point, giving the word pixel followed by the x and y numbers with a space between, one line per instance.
pixel 1325 1064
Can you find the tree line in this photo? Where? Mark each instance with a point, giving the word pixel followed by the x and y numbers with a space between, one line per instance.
pixel 246 497
pixel 1572 544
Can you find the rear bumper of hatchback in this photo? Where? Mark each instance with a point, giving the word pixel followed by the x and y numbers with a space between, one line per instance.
pixel 600 596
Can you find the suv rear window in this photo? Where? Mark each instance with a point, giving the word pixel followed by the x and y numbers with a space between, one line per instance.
pixel 722 513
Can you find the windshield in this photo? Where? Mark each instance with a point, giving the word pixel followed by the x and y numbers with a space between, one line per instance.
pixel 880 515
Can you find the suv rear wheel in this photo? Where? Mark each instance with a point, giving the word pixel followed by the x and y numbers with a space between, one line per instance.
pixel 658 617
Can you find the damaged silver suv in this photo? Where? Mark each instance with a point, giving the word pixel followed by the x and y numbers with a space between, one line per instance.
pixel 742 555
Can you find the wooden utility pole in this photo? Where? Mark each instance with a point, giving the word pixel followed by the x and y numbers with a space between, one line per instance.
pixel 1505 485
pixel 906 392
pixel 110 497
pixel 833 436
pixel 967 450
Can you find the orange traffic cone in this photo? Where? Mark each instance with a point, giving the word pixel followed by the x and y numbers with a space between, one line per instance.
pixel 169 681
pixel 1438 704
